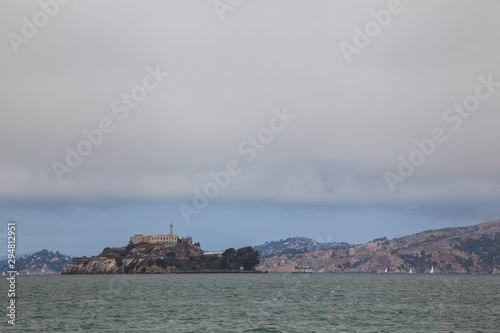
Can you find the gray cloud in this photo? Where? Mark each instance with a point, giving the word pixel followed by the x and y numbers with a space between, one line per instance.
pixel 353 120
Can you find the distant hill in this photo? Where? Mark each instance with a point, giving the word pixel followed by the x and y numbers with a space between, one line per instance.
pixel 4 259
pixel 295 245
pixel 474 249
pixel 42 262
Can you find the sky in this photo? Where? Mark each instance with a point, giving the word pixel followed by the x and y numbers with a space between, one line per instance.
pixel 245 121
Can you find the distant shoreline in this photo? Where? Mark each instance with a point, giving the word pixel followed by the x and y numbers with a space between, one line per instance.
pixel 218 272
pixel 184 272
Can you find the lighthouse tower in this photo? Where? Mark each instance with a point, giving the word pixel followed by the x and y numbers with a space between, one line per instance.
pixel 171 238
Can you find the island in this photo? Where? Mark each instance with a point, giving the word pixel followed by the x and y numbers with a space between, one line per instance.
pixel 163 254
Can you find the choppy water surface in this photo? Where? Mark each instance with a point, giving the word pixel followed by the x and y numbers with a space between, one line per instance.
pixel 256 303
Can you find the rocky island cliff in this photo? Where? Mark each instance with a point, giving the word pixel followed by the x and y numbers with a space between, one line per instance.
pixel 151 258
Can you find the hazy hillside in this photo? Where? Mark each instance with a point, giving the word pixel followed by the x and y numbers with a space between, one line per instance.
pixel 4 259
pixel 295 245
pixel 474 249
pixel 42 262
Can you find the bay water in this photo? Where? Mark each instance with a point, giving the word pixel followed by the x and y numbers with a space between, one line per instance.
pixel 255 303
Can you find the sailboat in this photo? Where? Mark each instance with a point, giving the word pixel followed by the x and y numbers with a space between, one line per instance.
pixel 411 271
pixel 432 270
pixel 385 270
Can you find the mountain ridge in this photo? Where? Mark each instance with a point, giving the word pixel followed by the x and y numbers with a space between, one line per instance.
pixel 295 244
pixel 472 249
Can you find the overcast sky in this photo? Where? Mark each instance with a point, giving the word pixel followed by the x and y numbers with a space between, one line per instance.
pixel 331 111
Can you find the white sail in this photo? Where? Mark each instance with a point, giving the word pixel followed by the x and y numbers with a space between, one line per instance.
pixel 432 270
pixel 411 270
pixel 385 270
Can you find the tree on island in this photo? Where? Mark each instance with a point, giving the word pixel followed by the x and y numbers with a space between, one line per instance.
pixel 245 256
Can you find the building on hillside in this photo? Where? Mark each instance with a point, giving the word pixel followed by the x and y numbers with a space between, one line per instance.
pixel 214 253
pixel 169 239
pixel 80 260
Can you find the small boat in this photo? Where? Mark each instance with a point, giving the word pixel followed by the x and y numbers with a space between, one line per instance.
pixel 411 271
pixel 432 270
pixel 385 270
pixel 299 269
